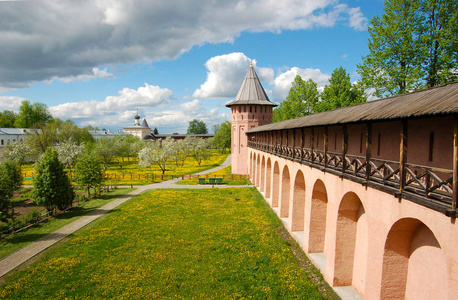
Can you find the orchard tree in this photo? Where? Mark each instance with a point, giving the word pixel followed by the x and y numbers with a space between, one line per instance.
pixel 157 154
pixel 340 92
pixel 301 100
pixel 18 152
pixel 201 150
pixel 68 153
pixel 51 186
pixel 89 172
pixel 197 127
pixel 222 139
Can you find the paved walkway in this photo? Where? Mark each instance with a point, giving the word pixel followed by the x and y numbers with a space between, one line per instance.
pixel 17 258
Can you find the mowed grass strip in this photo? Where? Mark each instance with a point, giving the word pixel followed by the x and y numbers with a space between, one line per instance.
pixel 172 244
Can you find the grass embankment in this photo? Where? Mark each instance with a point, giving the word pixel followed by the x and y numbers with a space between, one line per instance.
pixel 226 174
pixel 21 239
pixel 174 244
pixel 123 172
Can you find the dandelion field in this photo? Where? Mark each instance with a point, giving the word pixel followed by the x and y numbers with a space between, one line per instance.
pixel 124 172
pixel 172 244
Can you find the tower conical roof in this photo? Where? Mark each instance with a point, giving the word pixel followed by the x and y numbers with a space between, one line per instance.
pixel 251 92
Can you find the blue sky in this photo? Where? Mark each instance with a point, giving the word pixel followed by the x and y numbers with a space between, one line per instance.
pixel 97 62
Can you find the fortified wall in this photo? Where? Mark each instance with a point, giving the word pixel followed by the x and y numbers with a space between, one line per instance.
pixel 369 191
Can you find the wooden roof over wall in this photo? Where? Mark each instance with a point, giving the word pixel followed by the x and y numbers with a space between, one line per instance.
pixel 440 100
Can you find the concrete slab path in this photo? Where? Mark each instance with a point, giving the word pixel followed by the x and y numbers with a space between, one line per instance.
pixel 17 258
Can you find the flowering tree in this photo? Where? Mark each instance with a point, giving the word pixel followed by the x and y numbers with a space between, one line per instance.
pixel 17 151
pixel 201 150
pixel 68 152
pixel 157 154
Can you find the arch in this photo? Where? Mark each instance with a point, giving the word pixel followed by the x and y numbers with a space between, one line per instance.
pixel 262 180
pixel 268 177
pixel 414 265
pixel 298 211
pixel 284 199
pixel 276 185
pixel 318 217
pixel 351 212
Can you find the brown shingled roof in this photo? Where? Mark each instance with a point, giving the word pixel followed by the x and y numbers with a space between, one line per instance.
pixel 251 92
pixel 428 102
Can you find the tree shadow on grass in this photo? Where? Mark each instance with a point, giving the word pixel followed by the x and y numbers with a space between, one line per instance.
pixel 25 237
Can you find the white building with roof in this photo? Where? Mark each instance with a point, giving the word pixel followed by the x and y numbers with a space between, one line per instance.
pixel 10 135
pixel 143 131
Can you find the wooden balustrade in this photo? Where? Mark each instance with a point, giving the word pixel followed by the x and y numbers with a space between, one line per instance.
pixel 431 183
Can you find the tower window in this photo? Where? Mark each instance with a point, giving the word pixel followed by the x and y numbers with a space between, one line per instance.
pixel 255 109
pixel 251 109
pixel 244 109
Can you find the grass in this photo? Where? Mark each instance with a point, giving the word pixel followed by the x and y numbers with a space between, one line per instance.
pixel 21 239
pixel 173 244
pixel 123 172
pixel 225 173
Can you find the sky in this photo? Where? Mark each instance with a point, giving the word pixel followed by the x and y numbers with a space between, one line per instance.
pixel 98 62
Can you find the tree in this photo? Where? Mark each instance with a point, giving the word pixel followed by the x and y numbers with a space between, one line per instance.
pixel 215 127
pixel 7 119
pixel 197 127
pixel 51 186
pixel 68 153
pixel 30 115
pixel 18 152
pixel 41 138
pixel 106 148
pixel 340 92
pixel 69 131
pixel 157 154
pixel 10 180
pixel 88 172
pixel 201 150
pixel 222 137
pixel 155 131
pixel 414 44
pixel 301 100
pixel 439 41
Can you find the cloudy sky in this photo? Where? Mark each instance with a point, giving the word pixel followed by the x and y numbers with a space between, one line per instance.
pixel 97 62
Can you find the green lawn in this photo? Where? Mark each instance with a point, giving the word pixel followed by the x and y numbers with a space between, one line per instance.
pixel 174 244
pixel 21 239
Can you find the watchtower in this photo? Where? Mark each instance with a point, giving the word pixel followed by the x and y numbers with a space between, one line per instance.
pixel 250 108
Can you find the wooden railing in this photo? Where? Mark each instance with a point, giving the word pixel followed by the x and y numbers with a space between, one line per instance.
pixel 431 184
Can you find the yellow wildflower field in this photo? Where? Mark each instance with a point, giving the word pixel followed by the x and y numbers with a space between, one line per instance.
pixel 172 244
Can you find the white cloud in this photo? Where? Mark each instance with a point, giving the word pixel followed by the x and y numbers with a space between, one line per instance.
pixel 96 73
pixel 43 40
pixel 178 120
pixel 114 106
pixel 357 20
pixel 10 103
pixel 284 80
pixel 225 75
